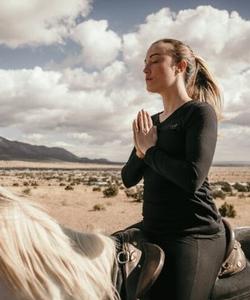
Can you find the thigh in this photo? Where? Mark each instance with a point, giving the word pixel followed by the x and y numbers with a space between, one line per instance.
pixel 191 267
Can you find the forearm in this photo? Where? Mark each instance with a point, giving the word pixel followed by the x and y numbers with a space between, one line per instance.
pixel 182 173
pixel 132 171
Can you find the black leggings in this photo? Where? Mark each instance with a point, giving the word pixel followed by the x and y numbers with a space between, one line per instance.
pixel 191 266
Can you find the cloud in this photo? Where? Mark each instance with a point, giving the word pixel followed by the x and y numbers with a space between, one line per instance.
pixel 217 35
pixel 107 78
pixel 236 93
pixel 48 104
pixel 100 46
pixel 36 23
pixel 90 108
pixel 233 143
pixel 34 138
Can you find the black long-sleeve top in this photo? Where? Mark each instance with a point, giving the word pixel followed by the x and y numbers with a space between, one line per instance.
pixel 177 195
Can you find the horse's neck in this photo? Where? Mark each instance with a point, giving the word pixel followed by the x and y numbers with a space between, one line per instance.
pixel 89 243
pixel 6 293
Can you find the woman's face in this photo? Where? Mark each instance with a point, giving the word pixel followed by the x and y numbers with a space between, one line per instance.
pixel 160 68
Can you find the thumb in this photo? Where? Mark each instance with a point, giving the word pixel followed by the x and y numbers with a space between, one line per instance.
pixel 155 131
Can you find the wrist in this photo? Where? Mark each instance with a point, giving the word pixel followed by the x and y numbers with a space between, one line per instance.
pixel 149 149
pixel 145 149
pixel 139 154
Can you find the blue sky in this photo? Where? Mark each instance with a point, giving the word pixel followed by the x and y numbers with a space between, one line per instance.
pixel 71 71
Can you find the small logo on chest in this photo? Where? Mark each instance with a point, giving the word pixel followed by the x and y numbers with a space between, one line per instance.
pixel 173 126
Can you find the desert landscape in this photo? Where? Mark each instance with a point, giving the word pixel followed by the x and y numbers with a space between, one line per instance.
pixel 90 197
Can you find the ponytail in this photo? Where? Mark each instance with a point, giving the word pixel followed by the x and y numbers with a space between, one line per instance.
pixel 203 86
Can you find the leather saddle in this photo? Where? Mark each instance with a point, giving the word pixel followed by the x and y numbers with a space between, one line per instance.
pixel 139 264
pixel 234 260
pixel 237 286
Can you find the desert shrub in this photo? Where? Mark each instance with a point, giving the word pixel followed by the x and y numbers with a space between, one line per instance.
pixel 135 193
pixel 218 193
pixel 77 181
pixel 225 186
pixel 130 192
pixel 25 183
pixel 34 183
pixel 92 180
pixel 240 187
pixel 241 195
pixel 233 193
pixel 62 184
pixel 27 191
pixel 98 207
pixel 69 188
pixel 138 196
pixel 96 189
pixel 227 210
pixel 111 190
pixel 15 184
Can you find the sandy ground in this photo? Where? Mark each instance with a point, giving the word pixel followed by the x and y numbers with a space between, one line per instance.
pixel 75 208
pixel 53 165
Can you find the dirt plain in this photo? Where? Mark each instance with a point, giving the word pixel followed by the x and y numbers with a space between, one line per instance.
pixel 83 209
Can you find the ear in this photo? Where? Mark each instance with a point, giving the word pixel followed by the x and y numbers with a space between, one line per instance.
pixel 181 66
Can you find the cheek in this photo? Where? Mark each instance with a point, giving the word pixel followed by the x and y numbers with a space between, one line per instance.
pixel 167 74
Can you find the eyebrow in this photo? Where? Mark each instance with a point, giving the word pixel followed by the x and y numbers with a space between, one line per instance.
pixel 153 55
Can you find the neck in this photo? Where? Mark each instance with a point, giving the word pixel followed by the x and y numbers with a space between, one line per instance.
pixel 174 99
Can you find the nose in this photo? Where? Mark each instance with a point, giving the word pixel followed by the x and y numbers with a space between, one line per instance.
pixel 146 69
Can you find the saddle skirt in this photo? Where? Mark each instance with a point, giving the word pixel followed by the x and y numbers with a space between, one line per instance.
pixel 139 264
pixel 236 286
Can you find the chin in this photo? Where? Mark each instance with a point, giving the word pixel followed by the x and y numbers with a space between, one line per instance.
pixel 152 89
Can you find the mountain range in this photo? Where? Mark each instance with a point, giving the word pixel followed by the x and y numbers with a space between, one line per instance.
pixel 14 150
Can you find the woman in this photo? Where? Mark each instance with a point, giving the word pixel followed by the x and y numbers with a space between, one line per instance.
pixel 173 153
pixel 38 261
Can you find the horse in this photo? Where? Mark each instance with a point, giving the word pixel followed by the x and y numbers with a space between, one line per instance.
pixel 39 259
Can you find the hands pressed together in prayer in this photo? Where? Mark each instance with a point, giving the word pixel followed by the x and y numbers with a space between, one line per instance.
pixel 145 134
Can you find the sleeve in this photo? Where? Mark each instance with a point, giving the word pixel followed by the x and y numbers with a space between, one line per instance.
pixel 200 143
pixel 132 171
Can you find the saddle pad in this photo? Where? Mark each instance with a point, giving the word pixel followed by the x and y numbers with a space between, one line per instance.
pixel 235 287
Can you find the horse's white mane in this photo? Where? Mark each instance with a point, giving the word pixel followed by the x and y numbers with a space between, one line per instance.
pixel 38 261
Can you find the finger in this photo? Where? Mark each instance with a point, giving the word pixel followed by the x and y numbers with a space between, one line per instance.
pixel 154 128
pixel 138 151
pixel 134 137
pixel 145 121
pixel 135 131
pixel 135 125
pixel 141 123
pixel 150 122
pixel 138 121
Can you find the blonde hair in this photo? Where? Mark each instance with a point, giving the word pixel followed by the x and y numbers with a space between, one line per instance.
pixel 38 261
pixel 199 81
